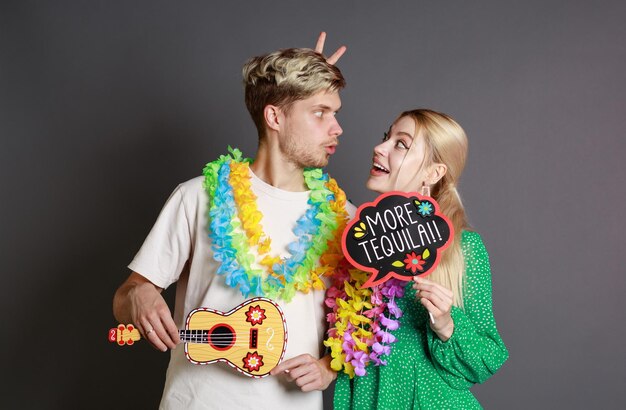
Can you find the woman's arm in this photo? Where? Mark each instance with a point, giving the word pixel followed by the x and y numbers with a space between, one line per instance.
pixel 474 350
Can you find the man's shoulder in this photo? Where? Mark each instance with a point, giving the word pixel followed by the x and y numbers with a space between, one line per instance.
pixel 193 183
pixel 192 187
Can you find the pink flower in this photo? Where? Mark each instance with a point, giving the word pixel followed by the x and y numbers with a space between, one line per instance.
pixel 374 312
pixel 394 288
pixel 331 318
pixel 359 362
pixel 394 309
pixel 377 297
pixel 380 349
pixel 376 360
pixel 390 324
pixel 386 337
pixel 334 293
pixel 348 345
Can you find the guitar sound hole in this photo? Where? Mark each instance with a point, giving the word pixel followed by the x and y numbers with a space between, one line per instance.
pixel 222 337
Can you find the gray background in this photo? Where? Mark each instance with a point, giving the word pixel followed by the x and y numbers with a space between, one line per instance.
pixel 105 106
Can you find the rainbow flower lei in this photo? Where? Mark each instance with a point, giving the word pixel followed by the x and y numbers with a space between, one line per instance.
pixel 235 231
pixel 361 321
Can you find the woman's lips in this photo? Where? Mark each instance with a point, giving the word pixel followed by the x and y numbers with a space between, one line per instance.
pixel 377 172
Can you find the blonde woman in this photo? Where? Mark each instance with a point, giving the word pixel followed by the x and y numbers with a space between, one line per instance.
pixel 427 341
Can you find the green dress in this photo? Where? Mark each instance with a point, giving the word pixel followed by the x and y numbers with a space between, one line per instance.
pixel 423 372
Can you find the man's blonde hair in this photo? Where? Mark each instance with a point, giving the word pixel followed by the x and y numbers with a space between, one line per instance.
pixel 285 76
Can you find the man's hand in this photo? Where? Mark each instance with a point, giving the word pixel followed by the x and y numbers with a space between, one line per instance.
pixel 307 372
pixel 319 47
pixel 139 301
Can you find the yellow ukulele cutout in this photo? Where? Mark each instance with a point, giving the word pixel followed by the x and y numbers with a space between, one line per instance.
pixel 251 338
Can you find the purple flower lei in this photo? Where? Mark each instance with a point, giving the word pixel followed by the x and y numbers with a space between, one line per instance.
pixel 362 320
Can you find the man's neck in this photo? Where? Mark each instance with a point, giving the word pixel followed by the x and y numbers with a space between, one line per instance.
pixel 271 167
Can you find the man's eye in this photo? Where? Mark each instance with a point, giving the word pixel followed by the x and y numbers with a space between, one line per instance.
pixel 318 114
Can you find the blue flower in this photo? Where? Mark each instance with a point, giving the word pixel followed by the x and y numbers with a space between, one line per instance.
pixel 425 208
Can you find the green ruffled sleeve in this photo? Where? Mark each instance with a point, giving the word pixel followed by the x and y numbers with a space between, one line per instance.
pixel 475 350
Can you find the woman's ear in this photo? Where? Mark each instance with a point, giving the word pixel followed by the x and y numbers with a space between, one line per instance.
pixel 271 114
pixel 436 172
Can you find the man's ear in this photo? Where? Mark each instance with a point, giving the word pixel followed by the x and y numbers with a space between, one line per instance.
pixel 272 116
pixel 436 172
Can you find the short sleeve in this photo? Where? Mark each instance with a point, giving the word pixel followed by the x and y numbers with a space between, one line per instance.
pixel 168 246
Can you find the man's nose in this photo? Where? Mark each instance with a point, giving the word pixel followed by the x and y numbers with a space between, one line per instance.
pixel 335 129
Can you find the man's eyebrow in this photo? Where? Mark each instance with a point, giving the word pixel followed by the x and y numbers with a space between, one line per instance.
pixel 326 107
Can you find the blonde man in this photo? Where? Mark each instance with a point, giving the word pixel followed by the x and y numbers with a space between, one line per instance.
pixel 292 96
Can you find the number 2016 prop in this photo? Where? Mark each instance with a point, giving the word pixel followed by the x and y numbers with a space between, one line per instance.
pixel 399 235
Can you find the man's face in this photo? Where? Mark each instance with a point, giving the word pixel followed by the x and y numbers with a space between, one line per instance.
pixel 310 130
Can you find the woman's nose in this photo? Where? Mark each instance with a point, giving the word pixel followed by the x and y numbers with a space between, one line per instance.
pixel 380 149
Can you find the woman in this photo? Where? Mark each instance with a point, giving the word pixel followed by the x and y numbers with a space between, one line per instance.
pixel 419 344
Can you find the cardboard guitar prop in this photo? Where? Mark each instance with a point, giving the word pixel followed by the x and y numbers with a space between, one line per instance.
pixel 399 235
pixel 251 338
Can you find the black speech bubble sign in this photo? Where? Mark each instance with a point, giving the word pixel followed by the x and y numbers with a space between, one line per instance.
pixel 399 235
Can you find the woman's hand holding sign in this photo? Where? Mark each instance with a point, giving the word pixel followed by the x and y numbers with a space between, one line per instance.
pixel 438 301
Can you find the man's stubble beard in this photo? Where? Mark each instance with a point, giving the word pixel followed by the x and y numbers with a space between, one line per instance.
pixel 301 156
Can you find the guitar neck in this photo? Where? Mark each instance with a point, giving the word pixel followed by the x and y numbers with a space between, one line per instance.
pixel 194 336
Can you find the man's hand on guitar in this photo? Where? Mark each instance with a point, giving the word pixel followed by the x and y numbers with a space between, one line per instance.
pixel 141 300
pixel 307 372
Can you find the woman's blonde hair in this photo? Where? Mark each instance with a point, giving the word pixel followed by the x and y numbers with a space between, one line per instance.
pixel 446 143
pixel 285 76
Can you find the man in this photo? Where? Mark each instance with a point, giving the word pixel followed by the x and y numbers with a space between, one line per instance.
pixel 288 221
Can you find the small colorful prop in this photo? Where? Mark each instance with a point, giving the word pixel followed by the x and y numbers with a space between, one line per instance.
pixel 251 338
pixel 398 235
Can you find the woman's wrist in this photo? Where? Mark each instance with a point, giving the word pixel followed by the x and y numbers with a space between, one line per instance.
pixel 444 332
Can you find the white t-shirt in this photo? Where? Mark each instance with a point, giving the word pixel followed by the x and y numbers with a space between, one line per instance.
pixel 178 249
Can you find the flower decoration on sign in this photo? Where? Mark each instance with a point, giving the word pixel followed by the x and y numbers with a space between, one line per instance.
pixel 255 315
pixel 253 361
pixel 360 230
pixel 424 208
pixel 414 262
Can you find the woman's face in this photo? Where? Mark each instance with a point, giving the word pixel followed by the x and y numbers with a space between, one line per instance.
pixel 398 160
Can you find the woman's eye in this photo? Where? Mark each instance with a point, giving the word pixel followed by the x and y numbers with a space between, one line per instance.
pixel 400 144
pixel 385 136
